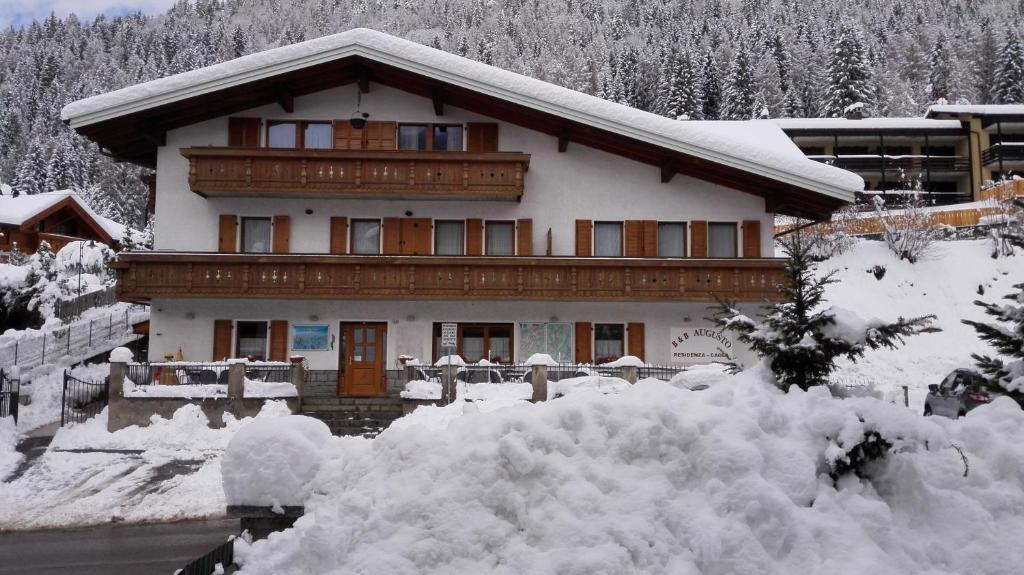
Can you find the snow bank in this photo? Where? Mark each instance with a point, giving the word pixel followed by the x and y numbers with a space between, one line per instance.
pixel 733 479
pixel 515 391
pixel 700 376
pixel 271 462
pixel 9 457
pixel 588 383
pixel 419 389
pixel 256 388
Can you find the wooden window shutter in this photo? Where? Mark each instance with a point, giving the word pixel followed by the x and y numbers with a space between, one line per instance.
pixel 633 230
pixel 650 238
pixel 524 237
pixel 339 235
pixel 227 232
pixel 583 335
pixel 584 238
pixel 221 339
pixel 380 135
pixel 636 339
pixel 474 237
pixel 751 238
pixel 244 132
pixel 392 233
pixel 481 137
pixel 281 234
pixel 346 137
pixel 278 340
pixel 699 239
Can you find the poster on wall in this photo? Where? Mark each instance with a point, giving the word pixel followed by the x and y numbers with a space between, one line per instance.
pixel 689 345
pixel 311 338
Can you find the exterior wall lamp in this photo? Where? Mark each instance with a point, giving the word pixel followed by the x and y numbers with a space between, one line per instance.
pixel 358 119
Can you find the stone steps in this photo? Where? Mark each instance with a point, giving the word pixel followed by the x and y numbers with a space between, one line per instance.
pixel 359 416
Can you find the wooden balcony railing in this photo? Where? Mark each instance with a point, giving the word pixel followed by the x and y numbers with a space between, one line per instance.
pixel 149 275
pixel 266 172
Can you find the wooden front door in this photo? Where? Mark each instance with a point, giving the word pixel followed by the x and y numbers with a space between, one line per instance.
pixel 362 359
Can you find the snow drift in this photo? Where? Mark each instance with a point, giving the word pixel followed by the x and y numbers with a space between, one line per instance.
pixel 657 479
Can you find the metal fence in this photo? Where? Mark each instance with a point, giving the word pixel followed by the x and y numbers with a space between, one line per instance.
pixel 171 373
pixel 10 389
pixel 223 555
pixel 68 309
pixel 82 399
pixel 516 373
pixel 79 340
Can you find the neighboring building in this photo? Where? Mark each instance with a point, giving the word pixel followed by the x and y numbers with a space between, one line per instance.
pixel 536 218
pixel 57 217
pixel 950 153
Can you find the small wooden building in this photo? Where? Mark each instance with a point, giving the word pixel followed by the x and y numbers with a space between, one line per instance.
pixel 58 217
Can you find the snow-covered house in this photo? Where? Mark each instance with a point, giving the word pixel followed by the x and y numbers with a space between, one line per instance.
pixel 58 217
pixel 344 197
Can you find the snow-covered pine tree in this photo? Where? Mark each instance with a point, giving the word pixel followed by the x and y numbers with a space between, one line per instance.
pixel 739 98
pixel 940 70
pixel 711 87
pixel 800 339
pixel 1010 76
pixel 31 174
pixel 849 72
pixel 683 98
pixel 1004 377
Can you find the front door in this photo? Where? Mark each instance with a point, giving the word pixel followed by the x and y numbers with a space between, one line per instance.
pixel 362 359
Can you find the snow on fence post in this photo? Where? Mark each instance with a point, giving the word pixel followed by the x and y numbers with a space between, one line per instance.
pixel 630 373
pixel 539 381
pixel 236 380
pixel 119 358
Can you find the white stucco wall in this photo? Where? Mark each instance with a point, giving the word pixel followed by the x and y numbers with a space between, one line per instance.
pixel 581 183
pixel 188 324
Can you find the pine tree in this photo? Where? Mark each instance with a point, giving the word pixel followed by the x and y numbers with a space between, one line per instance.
pixel 1004 377
pixel 1009 87
pixel 800 340
pixel 710 87
pixel 940 70
pixel 739 98
pixel 849 73
pixel 31 174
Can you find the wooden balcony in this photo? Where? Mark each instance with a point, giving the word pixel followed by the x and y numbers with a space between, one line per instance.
pixel 263 172
pixel 149 275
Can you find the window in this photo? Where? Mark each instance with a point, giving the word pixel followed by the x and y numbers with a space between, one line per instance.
pixel 721 240
pixel 671 240
pixel 256 235
pixel 448 238
pixel 366 236
pixel 252 339
pixel 282 135
pixel 609 342
pixel 608 239
pixel 447 138
pixel 412 137
pixel 317 136
pixel 500 238
pixel 492 341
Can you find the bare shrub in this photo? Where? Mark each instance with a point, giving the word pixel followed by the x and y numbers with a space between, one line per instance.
pixel 911 231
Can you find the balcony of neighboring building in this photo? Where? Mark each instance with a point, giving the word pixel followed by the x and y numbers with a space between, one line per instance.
pixel 1006 155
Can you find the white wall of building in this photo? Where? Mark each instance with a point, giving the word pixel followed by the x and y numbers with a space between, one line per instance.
pixel 581 183
pixel 188 324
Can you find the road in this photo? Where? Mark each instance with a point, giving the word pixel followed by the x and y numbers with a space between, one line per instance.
pixel 112 549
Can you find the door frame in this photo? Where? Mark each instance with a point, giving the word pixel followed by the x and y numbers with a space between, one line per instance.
pixel 343 351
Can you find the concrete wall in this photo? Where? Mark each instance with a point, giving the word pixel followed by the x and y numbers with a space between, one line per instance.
pixel 189 323
pixel 581 183
pixel 123 412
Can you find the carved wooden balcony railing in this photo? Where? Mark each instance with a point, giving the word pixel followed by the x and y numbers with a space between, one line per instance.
pixel 263 172
pixel 145 276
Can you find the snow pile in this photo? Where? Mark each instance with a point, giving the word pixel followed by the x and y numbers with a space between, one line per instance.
pixel 271 462
pixel 182 391
pixel 625 361
pixel 429 390
pixel 700 376
pixel 9 457
pixel 121 355
pixel 259 389
pixel 419 389
pixel 46 392
pixel 733 479
pixel 847 325
pixel 450 360
pixel 588 384
pixel 541 359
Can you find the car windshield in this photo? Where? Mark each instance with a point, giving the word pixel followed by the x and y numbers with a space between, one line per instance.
pixel 952 381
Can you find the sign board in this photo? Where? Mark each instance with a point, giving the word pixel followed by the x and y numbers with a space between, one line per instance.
pixel 449 334
pixel 689 345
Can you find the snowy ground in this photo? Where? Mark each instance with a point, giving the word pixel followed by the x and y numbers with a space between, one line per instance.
pixel 9 458
pixel 167 471
pixel 46 392
pixel 944 284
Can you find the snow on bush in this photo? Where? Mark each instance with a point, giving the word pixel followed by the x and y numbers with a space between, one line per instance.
pixel 271 462
pixel 733 479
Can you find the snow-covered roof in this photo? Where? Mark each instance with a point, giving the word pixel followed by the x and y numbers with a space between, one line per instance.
pixel 977 109
pixel 752 146
pixel 16 210
pixel 866 124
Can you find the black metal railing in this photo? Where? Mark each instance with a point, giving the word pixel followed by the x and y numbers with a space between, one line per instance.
pixel 1003 152
pixel 68 309
pixel 268 373
pixel 82 399
pixel 10 389
pixel 518 373
pixel 876 163
pixel 172 373
pixel 223 555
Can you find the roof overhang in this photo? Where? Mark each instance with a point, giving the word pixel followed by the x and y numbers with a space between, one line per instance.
pixel 132 129
pixel 72 205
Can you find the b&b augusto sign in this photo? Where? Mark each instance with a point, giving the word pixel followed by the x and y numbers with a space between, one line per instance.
pixel 700 345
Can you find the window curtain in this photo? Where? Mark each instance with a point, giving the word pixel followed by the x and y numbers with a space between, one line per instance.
pixel 281 135
pixel 365 237
pixel 608 240
pixel 448 138
pixel 412 137
pixel 472 348
pixel 671 240
pixel 721 240
pixel 501 239
pixel 448 238
pixel 257 235
pixel 608 348
pixel 317 136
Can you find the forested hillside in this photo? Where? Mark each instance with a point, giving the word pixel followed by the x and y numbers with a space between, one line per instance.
pixel 682 58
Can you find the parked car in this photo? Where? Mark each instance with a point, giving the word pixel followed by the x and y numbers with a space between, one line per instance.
pixel 960 391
